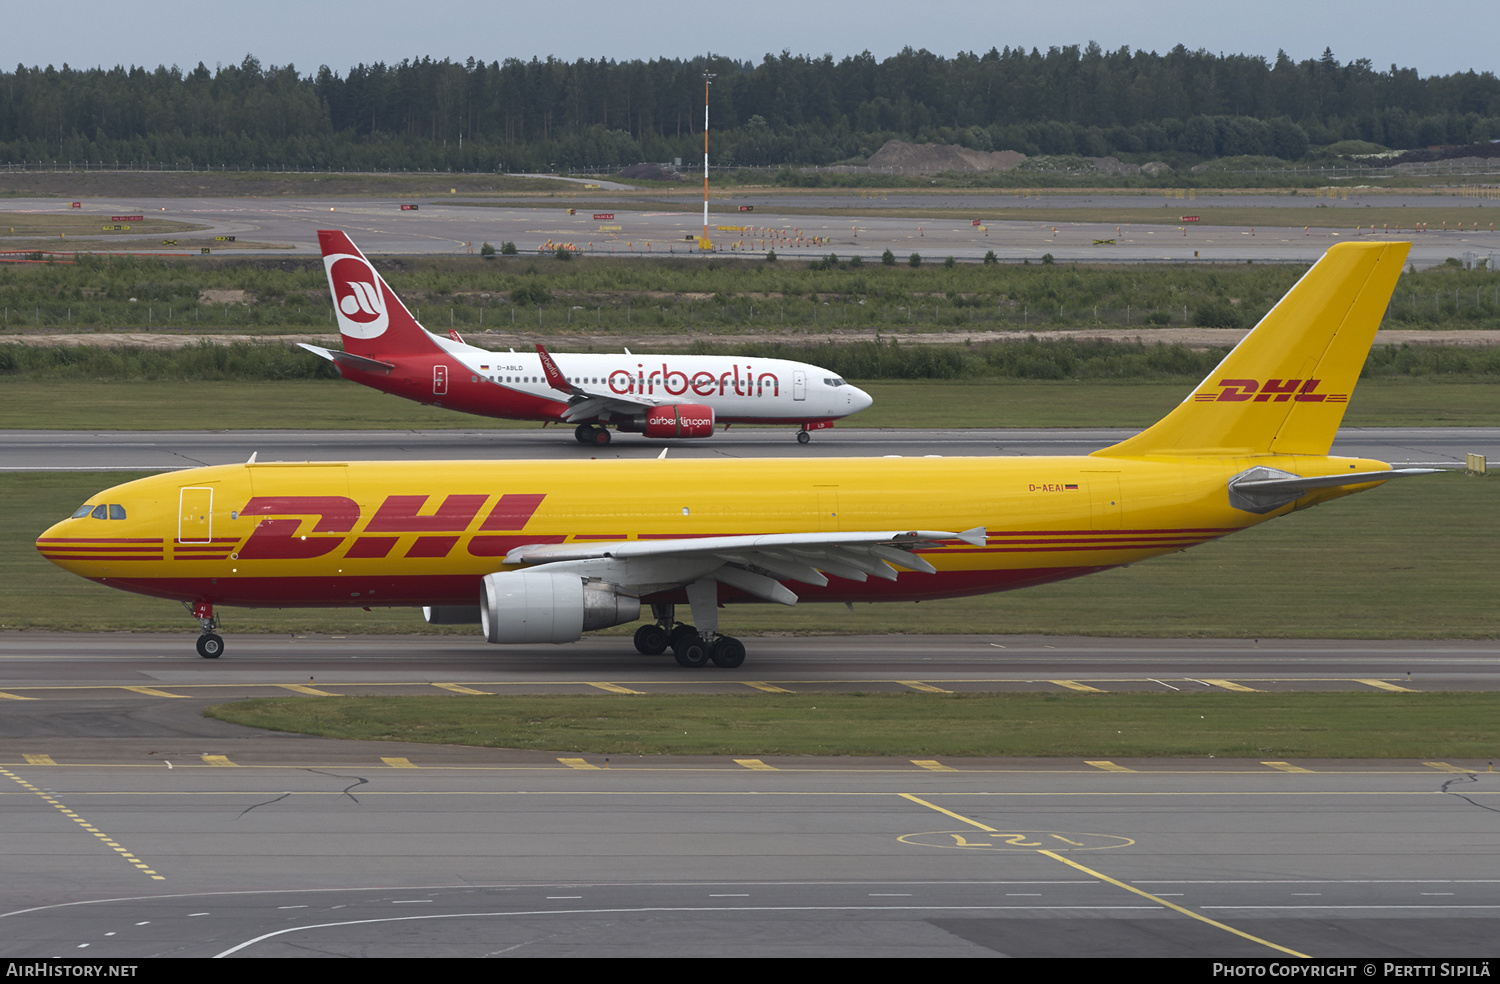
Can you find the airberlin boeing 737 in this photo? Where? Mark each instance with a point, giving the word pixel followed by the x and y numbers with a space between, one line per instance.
pixel 544 551
pixel 658 396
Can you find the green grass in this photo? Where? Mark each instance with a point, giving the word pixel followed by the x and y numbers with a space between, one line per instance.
pixel 1414 559
pixel 339 405
pixel 1344 725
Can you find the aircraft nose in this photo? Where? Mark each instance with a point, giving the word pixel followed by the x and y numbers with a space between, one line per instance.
pixel 51 543
pixel 859 399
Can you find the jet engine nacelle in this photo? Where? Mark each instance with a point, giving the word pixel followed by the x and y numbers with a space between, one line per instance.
pixel 537 606
pixel 680 420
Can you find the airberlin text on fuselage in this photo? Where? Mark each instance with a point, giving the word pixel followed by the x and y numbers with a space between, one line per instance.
pixel 675 382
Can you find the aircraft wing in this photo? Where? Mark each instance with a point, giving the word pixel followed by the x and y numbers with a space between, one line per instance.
pixel 348 359
pixel 755 564
pixel 582 404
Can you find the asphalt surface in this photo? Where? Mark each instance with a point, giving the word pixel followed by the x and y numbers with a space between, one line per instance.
pixel 672 225
pixel 22 450
pixel 135 828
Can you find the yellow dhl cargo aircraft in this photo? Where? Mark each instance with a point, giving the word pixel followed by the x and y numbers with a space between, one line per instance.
pixel 544 551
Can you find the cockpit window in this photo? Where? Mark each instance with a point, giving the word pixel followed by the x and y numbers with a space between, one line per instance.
pixel 116 512
pixel 834 381
pixel 100 512
pixel 84 510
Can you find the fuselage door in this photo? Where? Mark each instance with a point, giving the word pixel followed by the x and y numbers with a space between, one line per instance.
pixel 195 515
pixel 828 508
pixel 439 380
pixel 1105 505
pixel 799 384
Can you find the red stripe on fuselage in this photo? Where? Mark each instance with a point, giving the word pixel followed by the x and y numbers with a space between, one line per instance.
pixel 412 591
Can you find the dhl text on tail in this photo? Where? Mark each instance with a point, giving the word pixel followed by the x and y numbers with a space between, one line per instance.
pixel 677 396
pixel 544 551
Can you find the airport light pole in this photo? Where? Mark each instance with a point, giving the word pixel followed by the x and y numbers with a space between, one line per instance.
pixel 707 77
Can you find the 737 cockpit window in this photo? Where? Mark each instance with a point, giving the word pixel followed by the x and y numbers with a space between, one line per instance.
pixel 116 512
pixel 107 511
pixel 84 510
pixel 834 381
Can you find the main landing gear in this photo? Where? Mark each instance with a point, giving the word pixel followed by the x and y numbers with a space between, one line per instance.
pixel 691 648
pixel 596 435
pixel 210 643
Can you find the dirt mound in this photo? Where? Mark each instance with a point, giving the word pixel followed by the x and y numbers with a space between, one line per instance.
pixel 651 172
pixel 913 158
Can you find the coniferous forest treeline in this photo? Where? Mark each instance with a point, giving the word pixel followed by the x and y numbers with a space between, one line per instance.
pixel 516 115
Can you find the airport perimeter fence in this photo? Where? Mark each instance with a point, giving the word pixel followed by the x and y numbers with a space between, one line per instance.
pixel 1463 308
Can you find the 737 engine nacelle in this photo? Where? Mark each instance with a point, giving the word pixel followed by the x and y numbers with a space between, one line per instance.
pixel 680 420
pixel 537 606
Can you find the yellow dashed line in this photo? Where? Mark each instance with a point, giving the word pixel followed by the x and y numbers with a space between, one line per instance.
pixel 1382 685
pixel 398 763
pixel 1285 767
pixel 1108 766
pixel 755 764
pixel 1445 767
pixel 932 765
pixel 768 688
pixel 1232 686
pixel 1075 685
pixel 218 760
pixel 924 687
pixel 303 688
pixel 577 764
pixel 461 690
pixel 614 688
pixel 151 692
pixel 103 838
pixel 39 760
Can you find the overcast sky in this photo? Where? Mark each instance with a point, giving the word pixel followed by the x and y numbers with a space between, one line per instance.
pixel 340 33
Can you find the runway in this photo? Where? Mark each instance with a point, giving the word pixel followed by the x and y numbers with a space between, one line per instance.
pixel 22 450
pixel 853 226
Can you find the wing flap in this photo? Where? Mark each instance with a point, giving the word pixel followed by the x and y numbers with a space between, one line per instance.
pixel 821 544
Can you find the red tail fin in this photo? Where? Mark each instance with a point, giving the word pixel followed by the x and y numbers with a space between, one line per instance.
pixel 371 317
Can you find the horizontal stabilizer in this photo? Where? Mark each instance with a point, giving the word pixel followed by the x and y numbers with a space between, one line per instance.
pixel 349 359
pixel 1295 483
pixel 1262 490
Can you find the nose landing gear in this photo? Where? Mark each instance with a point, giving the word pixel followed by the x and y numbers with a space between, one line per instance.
pixel 210 643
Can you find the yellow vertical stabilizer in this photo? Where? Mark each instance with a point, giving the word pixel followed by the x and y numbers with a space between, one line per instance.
pixel 1284 388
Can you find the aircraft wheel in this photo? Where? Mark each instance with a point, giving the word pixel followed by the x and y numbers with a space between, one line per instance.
pixel 583 433
pixel 803 437
pixel 651 640
pixel 727 653
pixel 692 655
pixel 680 636
pixel 600 437
pixel 210 646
